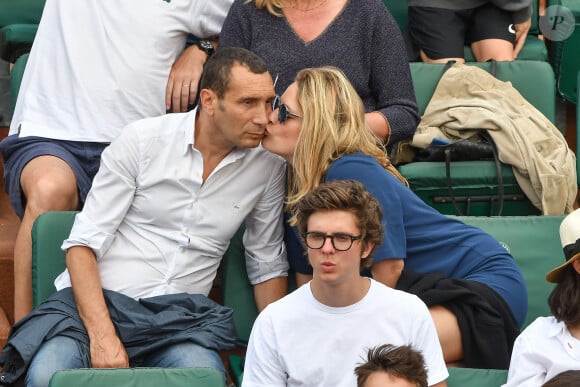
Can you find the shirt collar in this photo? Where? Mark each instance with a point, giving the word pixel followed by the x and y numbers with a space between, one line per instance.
pixel 189 135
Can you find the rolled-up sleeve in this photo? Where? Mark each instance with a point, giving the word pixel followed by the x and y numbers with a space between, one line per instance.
pixel 110 197
pixel 264 236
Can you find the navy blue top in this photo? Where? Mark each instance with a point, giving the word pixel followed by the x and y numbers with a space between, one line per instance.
pixel 428 241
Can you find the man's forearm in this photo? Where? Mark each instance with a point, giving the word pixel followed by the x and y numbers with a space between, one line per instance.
pixel 86 285
pixel 269 291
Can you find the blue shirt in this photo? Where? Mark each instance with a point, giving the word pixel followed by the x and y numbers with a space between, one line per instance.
pixel 427 240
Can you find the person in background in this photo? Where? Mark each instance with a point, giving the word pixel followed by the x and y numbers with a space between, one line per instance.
pixel 471 284
pixel 359 37
pixel 551 345
pixel 144 251
pixel 317 334
pixel 495 29
pixel 388 365
pixel 95 66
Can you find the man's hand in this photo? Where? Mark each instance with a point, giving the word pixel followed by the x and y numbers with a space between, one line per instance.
pixel 183 79
pixel 107 351
pixel 521 30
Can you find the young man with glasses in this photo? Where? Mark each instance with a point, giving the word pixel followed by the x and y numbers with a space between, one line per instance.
pixel 320 332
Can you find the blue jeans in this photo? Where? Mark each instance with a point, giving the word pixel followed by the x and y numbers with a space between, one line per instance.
pixel 61 353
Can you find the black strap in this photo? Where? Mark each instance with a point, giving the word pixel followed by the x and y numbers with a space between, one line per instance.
pixel 500 186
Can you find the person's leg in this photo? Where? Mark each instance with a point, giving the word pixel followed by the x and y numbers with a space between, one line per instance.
pixel 437 33
pixel 449 333
pixel 48 183
pixel 41 175
pixel 491 34
pixel 59 353
pixel 184 355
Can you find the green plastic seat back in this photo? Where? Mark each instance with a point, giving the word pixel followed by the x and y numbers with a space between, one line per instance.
pixel 138 377
pixel 48 260
pixel 474 377
pixel 398 8
pixel 16 78
pixel 20 11
pixel 534 242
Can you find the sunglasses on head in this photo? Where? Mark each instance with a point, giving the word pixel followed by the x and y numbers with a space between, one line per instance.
pixel 283 112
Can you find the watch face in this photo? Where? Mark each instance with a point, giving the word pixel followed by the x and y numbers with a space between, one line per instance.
pixel 206 46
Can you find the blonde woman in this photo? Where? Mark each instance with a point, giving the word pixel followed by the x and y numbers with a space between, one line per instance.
pixel 471 284
pixel 358 36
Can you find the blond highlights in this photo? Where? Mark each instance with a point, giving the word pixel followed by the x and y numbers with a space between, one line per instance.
pixel 333 126
pixel 273 6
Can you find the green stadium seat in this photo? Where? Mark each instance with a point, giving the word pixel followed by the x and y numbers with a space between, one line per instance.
pixel 473 377
pixel 18 23
pixel 565 55
pixel 138 377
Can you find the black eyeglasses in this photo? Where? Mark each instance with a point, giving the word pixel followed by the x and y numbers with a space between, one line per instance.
pixel 340 241
pixel 283 112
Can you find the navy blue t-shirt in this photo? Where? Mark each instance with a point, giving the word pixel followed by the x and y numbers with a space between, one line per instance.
pixel 428 241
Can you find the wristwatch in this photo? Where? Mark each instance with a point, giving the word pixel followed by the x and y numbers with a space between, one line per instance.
pixel 205 46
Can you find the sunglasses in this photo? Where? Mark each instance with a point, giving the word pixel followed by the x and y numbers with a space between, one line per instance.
pixel 283 112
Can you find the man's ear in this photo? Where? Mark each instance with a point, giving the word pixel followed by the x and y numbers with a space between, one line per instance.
pixel 208 100
pixel 367 251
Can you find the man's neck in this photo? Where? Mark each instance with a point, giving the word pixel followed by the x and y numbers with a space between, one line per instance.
pixel 340 295
pixel 210 144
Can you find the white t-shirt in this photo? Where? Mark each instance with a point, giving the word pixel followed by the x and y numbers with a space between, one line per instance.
pixel 97 65
pixel 297 341
pixel 543 350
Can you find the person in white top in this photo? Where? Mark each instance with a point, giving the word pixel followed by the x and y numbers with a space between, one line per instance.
pixel 95 66
pixel 316 335
pixel 170 194
pixel 551 345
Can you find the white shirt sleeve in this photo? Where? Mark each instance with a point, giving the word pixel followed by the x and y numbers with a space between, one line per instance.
pixel 211 18
pixel 524 369
pixel 262 367
pixel 110 196
pixel 264 236
pixel 428 342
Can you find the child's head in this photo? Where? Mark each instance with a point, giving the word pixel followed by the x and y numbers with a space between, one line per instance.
pixel 388 365
pixel 564 298
pixel 564 379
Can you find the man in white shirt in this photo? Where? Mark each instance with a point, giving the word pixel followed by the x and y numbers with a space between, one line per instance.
pixel 318 334
pixel 94 67
pixel 170 194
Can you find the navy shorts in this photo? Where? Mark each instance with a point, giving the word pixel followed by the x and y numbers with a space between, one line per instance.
pixel 83 158
pixel 442 33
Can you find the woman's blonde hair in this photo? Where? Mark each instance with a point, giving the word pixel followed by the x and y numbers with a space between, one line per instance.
pixel 273 6
pixel 333 126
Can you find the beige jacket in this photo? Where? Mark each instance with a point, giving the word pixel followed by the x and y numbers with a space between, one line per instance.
pixel 469 97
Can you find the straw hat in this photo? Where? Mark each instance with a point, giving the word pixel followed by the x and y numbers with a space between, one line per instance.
pixel 570 238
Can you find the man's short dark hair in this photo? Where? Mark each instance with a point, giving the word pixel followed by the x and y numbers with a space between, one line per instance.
pixel 403 361
pixel 217 69
pixel 564 379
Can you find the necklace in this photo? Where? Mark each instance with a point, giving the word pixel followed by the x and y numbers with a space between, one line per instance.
pixel 308 9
